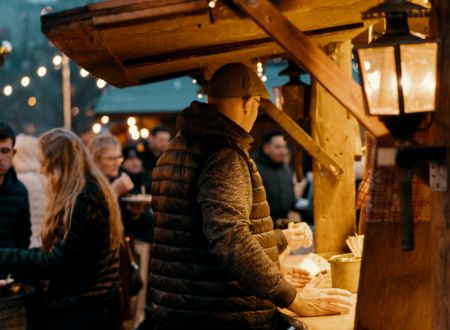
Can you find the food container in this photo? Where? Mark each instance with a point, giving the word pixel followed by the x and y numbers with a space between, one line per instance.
pixel 345 270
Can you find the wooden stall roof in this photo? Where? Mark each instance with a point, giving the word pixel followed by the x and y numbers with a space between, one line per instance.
pixel 133 42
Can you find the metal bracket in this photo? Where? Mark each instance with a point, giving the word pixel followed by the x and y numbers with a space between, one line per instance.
pixel 438 177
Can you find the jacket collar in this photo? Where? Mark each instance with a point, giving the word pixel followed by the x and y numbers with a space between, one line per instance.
pixel 10 179
pixel 262 158
pixel 203 119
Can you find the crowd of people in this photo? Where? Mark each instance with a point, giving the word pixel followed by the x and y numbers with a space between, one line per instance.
pixel 203 254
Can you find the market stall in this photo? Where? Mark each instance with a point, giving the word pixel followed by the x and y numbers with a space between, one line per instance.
pixel 132 42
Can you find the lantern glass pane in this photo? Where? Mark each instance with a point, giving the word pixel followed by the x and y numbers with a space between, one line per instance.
pixel 380 79
pixel 419 65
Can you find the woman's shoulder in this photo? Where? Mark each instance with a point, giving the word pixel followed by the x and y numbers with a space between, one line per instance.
pixel 92 193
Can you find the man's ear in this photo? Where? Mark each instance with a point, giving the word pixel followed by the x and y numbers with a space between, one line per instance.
pixel 246 104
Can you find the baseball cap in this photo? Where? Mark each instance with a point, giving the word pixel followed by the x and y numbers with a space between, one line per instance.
pixel 130 151
pixel 236 80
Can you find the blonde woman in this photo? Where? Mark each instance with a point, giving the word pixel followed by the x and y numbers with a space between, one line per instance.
pixel 81 235
pixel 107 153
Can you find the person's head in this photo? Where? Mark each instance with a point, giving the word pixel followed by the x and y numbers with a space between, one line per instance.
pixel 25 159
pixel 132 163
pixel 236 91
pixel 67 163
pixel 120 131
pixel 274 146
pixel 159 139
pixel 7 142
pixel 106 151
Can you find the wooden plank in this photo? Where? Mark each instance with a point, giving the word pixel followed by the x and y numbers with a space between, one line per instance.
pixel 440 202
pixel 302 138
pixel 131 42
pixel 306 54
pixel 395 286
pixel 334 200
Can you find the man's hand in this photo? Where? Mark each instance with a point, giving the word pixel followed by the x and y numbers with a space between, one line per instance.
pixel 298 235
pixel 316 302
pixel 297 277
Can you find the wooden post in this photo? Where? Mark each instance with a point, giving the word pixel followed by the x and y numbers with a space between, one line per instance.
pixel 334 200
pixel 440 202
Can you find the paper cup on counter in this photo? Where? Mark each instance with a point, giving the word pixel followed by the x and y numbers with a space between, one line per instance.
pixel 345 270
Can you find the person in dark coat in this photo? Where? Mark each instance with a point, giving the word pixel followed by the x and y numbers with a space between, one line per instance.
pixel 15 223
pixel 81 235
pixel 215 255
pixel 277 176
pixel 150 151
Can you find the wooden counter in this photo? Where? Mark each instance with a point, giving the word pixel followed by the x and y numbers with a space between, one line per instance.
pixel 330 322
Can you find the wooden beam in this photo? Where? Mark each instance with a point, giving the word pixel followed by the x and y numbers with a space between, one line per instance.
pixel 440 201
pixel 302 138
pixel 334 200
pixel 308 55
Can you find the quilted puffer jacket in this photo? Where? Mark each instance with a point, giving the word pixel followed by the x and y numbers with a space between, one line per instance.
pixel 214 261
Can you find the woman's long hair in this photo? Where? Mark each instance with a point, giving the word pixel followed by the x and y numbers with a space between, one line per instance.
pixel 66 162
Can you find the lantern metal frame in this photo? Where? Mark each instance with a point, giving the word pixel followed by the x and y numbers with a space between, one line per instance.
pixel 396 12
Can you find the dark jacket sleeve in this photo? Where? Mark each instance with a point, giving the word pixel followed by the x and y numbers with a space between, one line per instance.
pixel 22 233
pixel 66 254
pixel 225 197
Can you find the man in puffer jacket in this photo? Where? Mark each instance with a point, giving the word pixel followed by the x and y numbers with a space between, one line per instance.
pixel 15 224
pixel 214 260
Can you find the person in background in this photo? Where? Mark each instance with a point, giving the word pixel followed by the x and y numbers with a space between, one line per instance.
pixel 120 132
pixel 28 167
pixel 86 135
pixel 215 254
pixel 150 152
pixel 81 235
pixel 106 151
pixel 277 176
pixel 15 223
pixel 141 228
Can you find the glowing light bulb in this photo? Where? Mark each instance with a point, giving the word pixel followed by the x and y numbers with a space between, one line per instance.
pixel 96 128
pixel 57 60
pixel 101 83
pixel 145 133
pixel 7 90
pixel 32 101
pixel 84 73
pixel 41 71
pixel 104 120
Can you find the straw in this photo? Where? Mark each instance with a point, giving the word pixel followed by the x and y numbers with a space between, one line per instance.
pixel 355 244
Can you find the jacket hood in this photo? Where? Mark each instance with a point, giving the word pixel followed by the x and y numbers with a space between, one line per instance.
pixel 25 159
pixel 203 119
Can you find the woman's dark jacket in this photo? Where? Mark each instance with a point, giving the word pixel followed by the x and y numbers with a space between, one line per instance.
pixel 15 224
pixel 214 262
pixel 80 266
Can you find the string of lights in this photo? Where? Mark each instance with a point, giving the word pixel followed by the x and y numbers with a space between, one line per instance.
pixel 40 73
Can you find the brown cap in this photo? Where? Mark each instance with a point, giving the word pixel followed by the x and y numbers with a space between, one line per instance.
pixel 236 80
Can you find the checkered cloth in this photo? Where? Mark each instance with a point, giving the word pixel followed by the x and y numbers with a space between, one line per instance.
pixel 378 192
